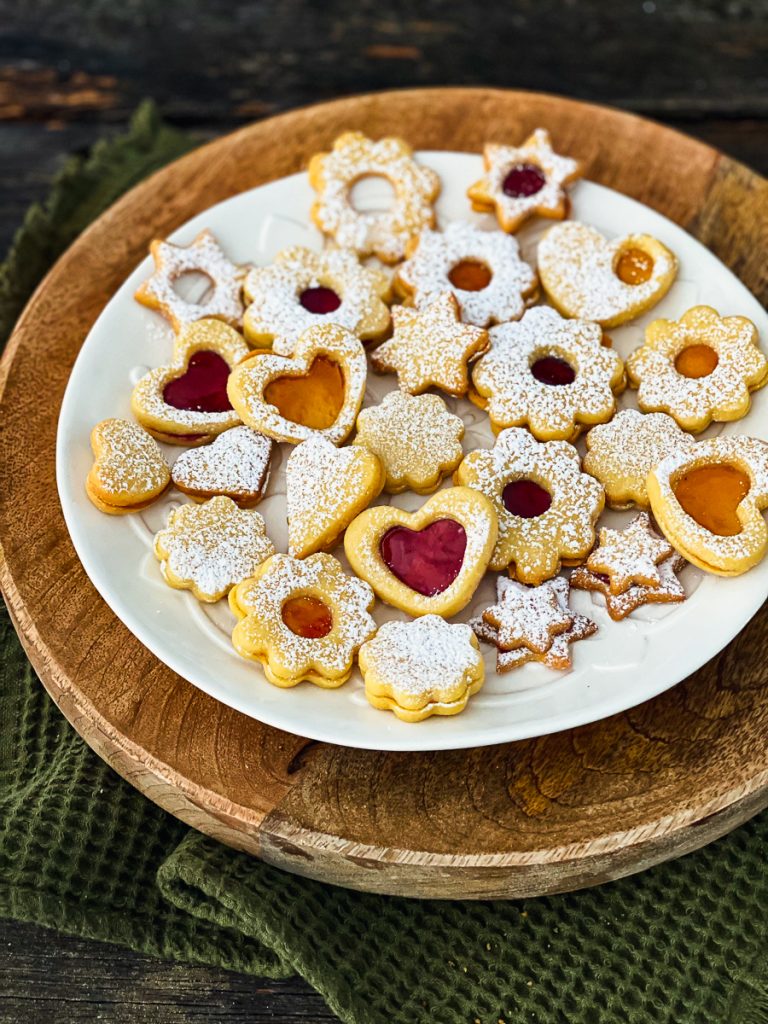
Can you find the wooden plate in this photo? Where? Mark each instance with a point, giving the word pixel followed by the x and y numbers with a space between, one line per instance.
pixel 537 816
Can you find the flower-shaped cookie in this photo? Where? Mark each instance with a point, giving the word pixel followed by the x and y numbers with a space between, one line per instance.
pixel 302 619
pixel 610 282
pixel 482 269
pixel 500 624
pixel 708 502
pixel 621 454
pixel 422 668
pixel 699 368
pixel 431 560
pixel 186 401
pixel 416 438
pixel 236 465
pixel 211 547
pixel 317 390
pixel 129 471
pixel 550 374
pixel 326 487
pixel 302 288
pixel 630 557
pixel 522 181
pixel 203 256
pixel 545 506
pixel 430 347
pixel 383 234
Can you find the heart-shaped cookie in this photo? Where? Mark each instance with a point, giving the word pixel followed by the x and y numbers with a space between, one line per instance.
pixel 236 465
pixel 129 471
pixel 326 487
pixel 186 401
pixel 610 282
pixel 428 561
pixel 317 391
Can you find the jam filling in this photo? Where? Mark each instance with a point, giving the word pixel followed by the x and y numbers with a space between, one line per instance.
pixel 696 361
pixel 710 495
pixel 553 371
pixel 523 180
pixel 308 617
pixel 634 266
pixel 428 560
pixel 202 387
pixel 470 276
pixel 526 498
pixel 320 299
pixel 314 400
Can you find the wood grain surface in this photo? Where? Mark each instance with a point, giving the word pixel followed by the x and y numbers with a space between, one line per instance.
pixel 537 816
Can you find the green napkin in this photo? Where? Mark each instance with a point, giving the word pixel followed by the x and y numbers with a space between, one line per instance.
pixel 81 851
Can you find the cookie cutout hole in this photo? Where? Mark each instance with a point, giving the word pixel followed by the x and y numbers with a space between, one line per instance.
pixel 194 287
pixel 202 387
pixel 307 617
pixel 523 180
pixel 428 560
pixel 372 194
pixel 634 266
pixel 711 494
pixel 470 275
pixel 553 370
pixel 696 361
pixel 314 400
pixel 320 300
pixel 526 498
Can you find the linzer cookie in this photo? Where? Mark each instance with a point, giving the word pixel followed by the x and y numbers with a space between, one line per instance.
pixel 417 440
pixel 235 465
pixel 428 561
pixel 524 181
pixel 482 269
pixel 588 277
pixel 630 557
pixel 129 471
pixel 302 619
pixel 621 454
pixel 303 288
pixel 545 506
pixel 316 391
pixel 326 487
pixel 532 624
pixel 203 256
pixel 422 668
pixel 211 547
pixel 699 368
pixel 383 234
pixel 430 347
pixel 186 401
pixel 549 374
pixel 708 502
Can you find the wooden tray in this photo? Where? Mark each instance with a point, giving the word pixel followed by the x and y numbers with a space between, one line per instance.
pixel 524 818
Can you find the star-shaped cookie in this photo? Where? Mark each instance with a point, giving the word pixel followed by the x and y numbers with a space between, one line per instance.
pixel 630 557
pixel 527 617
pixel 430 347
pixel 669 589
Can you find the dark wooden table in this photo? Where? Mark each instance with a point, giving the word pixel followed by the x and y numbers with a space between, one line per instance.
pixel 72 71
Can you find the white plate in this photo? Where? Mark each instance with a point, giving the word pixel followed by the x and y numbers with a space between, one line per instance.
pixel 623 664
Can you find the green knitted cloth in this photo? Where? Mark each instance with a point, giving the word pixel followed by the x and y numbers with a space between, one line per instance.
pixel 81 851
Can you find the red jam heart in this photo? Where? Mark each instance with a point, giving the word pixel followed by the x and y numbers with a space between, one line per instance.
pixel 320 300
pixel 428 560
pixel 526 498
pixel 203 388
pixel 553 371
pixel 523 180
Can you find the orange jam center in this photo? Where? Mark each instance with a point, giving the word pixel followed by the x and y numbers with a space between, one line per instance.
pixel 711 494
pixel 696 361
pixel 314 400
pixel 470 276
pixel 634 266
pixel 307 617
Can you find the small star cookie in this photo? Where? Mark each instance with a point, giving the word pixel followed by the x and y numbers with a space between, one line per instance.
pixel 669 589
pixel 528 617
pixel 630 557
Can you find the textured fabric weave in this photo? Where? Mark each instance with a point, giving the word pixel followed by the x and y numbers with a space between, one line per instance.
pixel 81 851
